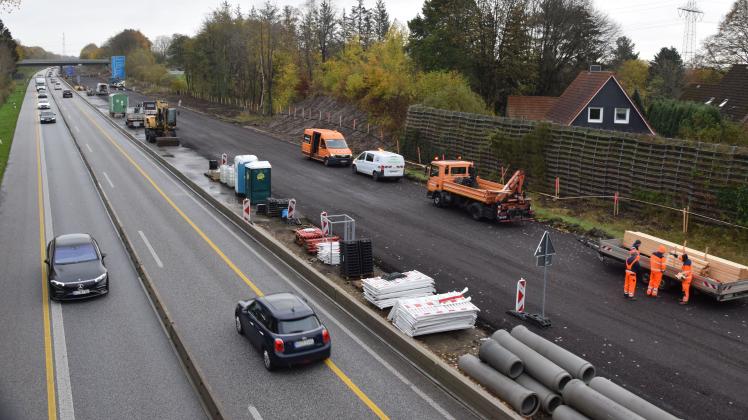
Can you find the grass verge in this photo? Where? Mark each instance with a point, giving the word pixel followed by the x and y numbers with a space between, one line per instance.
pixel 9 116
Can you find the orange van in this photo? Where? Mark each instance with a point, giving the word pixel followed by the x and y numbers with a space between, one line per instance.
pixel 328 146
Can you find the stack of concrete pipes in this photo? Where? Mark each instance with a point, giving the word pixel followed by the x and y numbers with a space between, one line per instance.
pixel 530 373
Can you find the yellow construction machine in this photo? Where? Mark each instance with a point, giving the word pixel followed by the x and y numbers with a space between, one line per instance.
pixel 161 126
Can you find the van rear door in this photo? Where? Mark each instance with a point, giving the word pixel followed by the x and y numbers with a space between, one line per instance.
pixel 316 136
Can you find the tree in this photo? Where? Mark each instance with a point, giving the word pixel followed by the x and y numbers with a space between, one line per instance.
pixel 268 43
pixel 381 20
pixel 325 25
pixel 89 51
pixel 665 78
pixel 730 44
pixel 623 51
pixel 633 75
pixel 160 48
pixel 176 54
pixel 8 5
pixel 448 90
pixel 126 41
pixel 7 39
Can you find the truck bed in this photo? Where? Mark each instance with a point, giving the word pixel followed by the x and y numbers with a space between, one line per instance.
pixel 614 248
pixel 487 192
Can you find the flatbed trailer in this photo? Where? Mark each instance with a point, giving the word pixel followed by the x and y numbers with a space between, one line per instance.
pixel 614 249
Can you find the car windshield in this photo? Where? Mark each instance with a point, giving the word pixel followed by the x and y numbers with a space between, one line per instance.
pixel 47 114
pixel 336 144
pixel 71 254
pixel 300 325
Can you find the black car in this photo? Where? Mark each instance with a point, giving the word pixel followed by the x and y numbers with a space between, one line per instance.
pixel 67 94
pixel 41 95
pixel 284 328
pixel 76 268
pixel 47 117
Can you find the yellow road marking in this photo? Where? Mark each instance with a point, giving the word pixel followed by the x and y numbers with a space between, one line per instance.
pixel 339 373
pixel 48 363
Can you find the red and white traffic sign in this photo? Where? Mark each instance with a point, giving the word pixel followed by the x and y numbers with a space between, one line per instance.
pixel 520 304
pixel 224 159
pixel 246 210
pixel 324 223
pixel 291 208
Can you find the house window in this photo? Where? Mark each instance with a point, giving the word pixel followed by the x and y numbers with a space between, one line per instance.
pixel 709 102
pixel 723 103
pixel 594 115
pixel 622 116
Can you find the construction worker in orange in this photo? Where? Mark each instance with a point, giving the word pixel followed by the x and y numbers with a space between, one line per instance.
pixel 657 265
pixel 632 270
pixel 686 276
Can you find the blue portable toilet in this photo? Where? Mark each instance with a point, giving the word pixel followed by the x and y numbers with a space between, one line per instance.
pixel 257 181
pixel 239 162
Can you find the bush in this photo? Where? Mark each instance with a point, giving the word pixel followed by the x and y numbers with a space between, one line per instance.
pixel 694 121
pixel 733 200
pixel 448 90
pixel 527 152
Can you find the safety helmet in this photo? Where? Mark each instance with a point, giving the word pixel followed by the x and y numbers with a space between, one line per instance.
pixel 661 248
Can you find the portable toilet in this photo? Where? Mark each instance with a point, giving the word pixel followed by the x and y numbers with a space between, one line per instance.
pixel 257 181
pixel 239 162
pixel 118 104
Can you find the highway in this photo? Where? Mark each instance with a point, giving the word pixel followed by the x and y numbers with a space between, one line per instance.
pixel 104 358
pixel 201 266
pixel 689 360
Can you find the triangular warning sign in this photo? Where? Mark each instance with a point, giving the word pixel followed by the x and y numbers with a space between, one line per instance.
pixel 545 247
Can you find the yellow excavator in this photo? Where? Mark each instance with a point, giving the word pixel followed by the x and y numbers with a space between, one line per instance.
pixel 161 126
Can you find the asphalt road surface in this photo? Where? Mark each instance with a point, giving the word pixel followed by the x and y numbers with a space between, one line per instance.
pixel 689 360
pixel 202 266
pixel 109 357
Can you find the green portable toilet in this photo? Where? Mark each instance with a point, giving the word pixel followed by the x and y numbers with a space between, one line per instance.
pixel 118 104
pixel 257 181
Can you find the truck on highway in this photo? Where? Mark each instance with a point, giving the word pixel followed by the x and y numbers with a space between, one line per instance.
pixel 39 81
pixel 118 104
pixel 102 89
pixel 615 250
pixel 455 183
pixel 135 117
pixel 327 146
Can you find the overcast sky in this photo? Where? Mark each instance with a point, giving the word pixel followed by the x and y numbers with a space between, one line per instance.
pixel 651 25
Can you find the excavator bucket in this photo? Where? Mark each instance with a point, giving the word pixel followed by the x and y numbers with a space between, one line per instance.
pixel 167 141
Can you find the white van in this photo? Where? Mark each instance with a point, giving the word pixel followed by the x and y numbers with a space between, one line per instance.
pixel 379 164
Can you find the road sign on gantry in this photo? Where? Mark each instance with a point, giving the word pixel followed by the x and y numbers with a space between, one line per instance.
pixel 118 67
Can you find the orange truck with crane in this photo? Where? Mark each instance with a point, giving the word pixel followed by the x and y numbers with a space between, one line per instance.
pixel 455 183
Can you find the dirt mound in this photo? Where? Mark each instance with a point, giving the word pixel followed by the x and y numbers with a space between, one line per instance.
pixel 330 113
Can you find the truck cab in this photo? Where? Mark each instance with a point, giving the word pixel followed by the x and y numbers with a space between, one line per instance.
pixel 326 146
pixel 448 170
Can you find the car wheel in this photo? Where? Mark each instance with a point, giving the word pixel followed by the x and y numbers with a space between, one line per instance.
pixel 268 360
pixel 438 200
pixel 375 176
pixel 354 170
pixel 475 211
pixel 238 325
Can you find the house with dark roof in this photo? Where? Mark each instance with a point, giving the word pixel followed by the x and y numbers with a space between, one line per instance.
pixel 730 94
pixel 594 99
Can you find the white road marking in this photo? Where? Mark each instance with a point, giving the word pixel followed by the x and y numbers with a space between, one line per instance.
pixel 62 372
pixel 89 148
pixel 150 248
pixel 328 315
pixel 107 179
pixel 254 413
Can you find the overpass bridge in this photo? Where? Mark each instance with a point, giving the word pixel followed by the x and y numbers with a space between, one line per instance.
pixel 63 62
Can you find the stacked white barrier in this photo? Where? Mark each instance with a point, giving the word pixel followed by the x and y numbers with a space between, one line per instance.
pixel 432 314
pixel 384 293
pixel 329 252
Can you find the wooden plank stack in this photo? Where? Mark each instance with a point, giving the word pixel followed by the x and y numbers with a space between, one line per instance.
pixel 719 269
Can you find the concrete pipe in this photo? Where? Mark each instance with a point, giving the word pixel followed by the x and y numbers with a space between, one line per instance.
pixel 549 400
pixel 540 368
pixel 521 399
pixel 575 365
pixel 594 404
pixel 564 412
pixel 500 359
pixel 629 400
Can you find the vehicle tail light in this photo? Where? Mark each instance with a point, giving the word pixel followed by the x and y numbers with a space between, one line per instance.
pixel 325 336
pixel 279 346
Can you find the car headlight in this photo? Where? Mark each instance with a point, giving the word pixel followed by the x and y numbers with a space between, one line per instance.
pixel 100 278
pixel 56 283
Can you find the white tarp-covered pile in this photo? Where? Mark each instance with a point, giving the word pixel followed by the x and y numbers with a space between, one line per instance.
pixel 329 252
pixel 432 314
pixel 384 293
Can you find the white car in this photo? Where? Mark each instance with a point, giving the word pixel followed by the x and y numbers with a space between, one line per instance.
pixel 58 86
pixel 43 104
pixel 41 88
pixel 379 164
